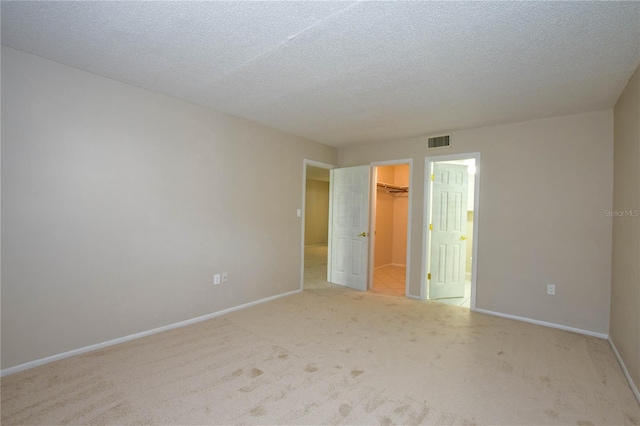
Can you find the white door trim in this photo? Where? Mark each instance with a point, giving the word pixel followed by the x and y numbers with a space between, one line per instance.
pixel 427 220
pixel 321 165
pixel 372 222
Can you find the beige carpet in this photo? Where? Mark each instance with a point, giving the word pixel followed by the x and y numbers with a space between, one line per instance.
pixel 334 356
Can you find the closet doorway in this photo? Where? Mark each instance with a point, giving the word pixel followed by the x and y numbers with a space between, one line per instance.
pixel 390 219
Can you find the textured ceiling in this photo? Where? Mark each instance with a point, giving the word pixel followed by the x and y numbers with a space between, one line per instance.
pixel 343 72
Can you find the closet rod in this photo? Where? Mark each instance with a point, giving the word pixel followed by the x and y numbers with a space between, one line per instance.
pixel 395 187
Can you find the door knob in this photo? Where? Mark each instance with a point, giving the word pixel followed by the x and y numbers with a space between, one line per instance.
pixel 364 234
pixel 462 238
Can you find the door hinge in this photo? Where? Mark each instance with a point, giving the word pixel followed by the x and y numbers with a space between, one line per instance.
pixel 433 177
pixel 431 227
pixel 429 276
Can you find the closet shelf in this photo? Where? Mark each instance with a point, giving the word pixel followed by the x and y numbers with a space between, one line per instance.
pixel 394 189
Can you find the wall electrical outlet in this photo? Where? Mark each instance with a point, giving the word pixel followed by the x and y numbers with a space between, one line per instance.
pixel 551 289
pixel 216 279
pixel 225 277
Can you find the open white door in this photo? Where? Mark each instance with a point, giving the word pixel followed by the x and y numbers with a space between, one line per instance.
pixel 349 237
pixel 448 231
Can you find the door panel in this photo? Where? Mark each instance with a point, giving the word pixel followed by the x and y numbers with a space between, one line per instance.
pixel 350 227
pixel 449 231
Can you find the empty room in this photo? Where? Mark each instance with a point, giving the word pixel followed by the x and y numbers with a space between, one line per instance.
pixel 313 212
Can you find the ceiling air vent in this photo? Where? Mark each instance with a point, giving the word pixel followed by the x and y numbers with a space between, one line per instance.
pixel 439 142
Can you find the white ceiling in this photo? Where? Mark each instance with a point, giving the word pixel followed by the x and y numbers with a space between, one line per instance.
pixel 349 72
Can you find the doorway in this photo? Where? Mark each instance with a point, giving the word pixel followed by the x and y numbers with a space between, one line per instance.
pixel 451 214
pixel 345 260
pixel 315 218
pixel 390 219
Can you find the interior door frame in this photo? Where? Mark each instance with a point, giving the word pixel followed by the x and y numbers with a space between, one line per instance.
pixel 321 165
pixel 372 221
pixel 427 219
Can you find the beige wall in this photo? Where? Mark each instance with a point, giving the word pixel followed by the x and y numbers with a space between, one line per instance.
pixel 119 205
pixel 400 213
pixel 625 286
pixel 316 224
pixel 384 228
pixel 386 174
pixel 391 217
pixel 544 187
pixel 383 254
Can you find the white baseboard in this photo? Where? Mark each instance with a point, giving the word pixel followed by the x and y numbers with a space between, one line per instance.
pixel 411 296
pixel 79 351
pixel 383 266
pixel 633 386
pixel 390 264
pixel 545 324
